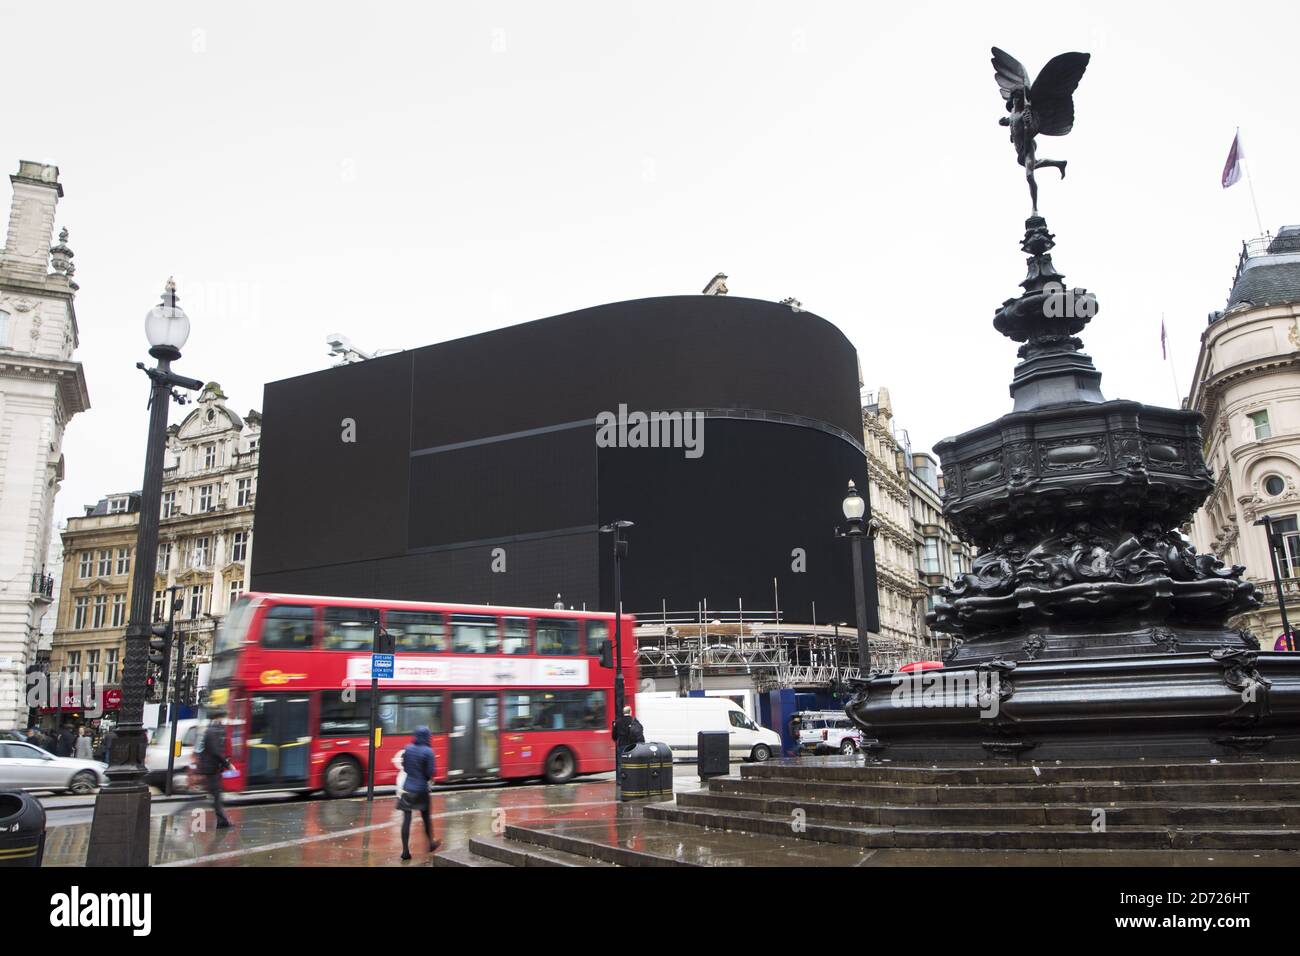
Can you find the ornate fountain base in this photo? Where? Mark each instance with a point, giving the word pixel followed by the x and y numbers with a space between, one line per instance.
pixel 1182 704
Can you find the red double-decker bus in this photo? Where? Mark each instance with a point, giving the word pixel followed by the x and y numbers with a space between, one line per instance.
pixel 507 692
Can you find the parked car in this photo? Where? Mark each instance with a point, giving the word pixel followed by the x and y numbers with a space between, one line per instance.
pixel 828 732
pixel 155 756
pixel 25 766
pixel 676 721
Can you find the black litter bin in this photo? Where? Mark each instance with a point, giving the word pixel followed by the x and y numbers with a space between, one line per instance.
pixel 647 772
pixel 22 829
pixel 715 753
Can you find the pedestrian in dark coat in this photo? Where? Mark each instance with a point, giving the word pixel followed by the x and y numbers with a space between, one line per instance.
pixel 106 746
pixel 628 731
pixel 67 743
pixel 212 762
pixel 419 764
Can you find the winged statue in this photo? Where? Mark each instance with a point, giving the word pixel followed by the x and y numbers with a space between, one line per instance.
pixel 1044 106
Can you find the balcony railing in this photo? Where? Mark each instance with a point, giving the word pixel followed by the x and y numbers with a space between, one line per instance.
pixel 43 585
pixel 1290 590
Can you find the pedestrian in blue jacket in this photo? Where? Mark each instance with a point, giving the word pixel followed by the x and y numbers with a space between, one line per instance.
pixel 418 763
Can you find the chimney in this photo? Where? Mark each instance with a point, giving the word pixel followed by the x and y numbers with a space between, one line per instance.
pixel 31 219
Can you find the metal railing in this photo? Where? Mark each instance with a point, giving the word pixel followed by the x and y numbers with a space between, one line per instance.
pixel 43 585
pixel 1266 245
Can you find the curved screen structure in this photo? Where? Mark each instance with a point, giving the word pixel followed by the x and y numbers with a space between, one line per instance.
pixel 481 469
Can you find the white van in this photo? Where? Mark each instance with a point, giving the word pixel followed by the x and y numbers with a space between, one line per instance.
pixel 155 757
pixel 675 721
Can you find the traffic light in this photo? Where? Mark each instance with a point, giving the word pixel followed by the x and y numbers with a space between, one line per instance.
pixel 606 654
pixel 160 652
pixel 160 645
pixel 385 642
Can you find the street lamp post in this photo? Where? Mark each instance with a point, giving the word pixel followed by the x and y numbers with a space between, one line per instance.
pixel 119 832
pixel 1267 522
pixel 857 530
pixel 616 528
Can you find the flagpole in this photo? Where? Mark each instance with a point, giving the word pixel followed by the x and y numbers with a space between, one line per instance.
pixel 1178 393
pixel 1249 182
pixel 1259 222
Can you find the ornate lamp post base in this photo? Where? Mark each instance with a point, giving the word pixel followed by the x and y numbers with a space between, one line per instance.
pixel 119 833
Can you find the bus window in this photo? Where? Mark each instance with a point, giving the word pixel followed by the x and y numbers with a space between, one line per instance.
pixel 413 709
pixel 344 718
pixel 475 634
pixel 418 632
pixel 287 627
pixel 557 636
pixel 565 710
pixel 233 629
pixel 597 634
pixel 350 628
pixel 515 640
pixel 519 712
pixel 593 715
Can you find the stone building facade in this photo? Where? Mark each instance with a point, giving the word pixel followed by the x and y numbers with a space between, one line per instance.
pixel 916 551
pixel 1247 385
pixel 941 556
pixel 41 389
pixel 899 590
pixel 205 544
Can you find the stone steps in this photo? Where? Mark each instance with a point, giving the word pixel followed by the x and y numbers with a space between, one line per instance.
pixel 511 852
pixel 643 842
pixel 463 857
pixel 1238 815
pixel 1091 794
pixel 861 770
pixel 860 813
pixel 980 838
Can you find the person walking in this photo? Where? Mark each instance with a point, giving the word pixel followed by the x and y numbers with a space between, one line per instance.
pixel 66 744
pixel 82 748
pixel 795 727
pixel 418 763
pixel 106 746
pixel 628 731
pixel 212 761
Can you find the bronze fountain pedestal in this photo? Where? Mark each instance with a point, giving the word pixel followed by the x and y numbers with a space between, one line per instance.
pixel 1088 627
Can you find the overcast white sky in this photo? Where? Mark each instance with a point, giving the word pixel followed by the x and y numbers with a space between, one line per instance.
pixel 408 173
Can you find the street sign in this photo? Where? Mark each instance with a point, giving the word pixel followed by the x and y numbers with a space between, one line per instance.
pixel 381 665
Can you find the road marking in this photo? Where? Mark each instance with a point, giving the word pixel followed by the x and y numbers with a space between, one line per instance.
pixel 285 844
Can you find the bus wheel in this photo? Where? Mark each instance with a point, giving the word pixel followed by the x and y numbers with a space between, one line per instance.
pixel 762 752
pixel 560 765
pixel 342 778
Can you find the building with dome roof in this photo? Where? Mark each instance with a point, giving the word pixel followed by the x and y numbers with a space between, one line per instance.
pixel 1247 385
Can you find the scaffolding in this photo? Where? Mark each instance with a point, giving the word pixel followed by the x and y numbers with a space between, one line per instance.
pixel 689 646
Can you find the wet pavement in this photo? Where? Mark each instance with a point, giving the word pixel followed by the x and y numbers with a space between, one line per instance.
pixel 319 832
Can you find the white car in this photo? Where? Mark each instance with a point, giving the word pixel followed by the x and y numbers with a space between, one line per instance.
pixel 155 757
pixel 829 732
pixel 26 766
